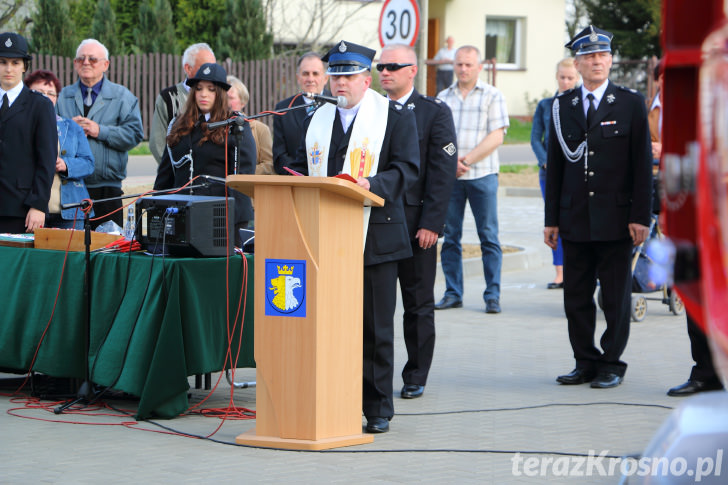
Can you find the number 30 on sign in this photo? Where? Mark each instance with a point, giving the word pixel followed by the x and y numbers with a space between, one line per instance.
pixel 399 22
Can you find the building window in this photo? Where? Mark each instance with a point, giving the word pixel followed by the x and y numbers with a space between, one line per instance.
pixel 504 41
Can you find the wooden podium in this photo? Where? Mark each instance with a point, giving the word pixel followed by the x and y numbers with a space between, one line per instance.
pixel 309 368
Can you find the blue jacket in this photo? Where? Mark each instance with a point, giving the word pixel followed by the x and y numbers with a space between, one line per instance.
pixel 75 151
pixel 116 110
pixel 540 130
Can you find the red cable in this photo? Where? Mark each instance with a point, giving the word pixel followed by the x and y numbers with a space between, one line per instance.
pixel 135 199
pixel 53 311
pixel 230 412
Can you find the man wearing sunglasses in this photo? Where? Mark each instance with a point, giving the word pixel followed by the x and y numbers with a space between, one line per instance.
pixel 425 206
pixel 371 139
pixel 110 118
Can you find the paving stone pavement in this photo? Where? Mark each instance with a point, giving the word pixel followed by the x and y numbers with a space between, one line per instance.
pixel 491 393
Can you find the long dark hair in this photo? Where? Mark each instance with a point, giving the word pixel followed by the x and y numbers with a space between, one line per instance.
pixel 191 115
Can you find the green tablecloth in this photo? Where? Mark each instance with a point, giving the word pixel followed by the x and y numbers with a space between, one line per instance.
pixel 154 321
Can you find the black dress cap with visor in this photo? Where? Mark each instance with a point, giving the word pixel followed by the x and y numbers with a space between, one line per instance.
pixel 13 45
pixel 590 40
pixel 347 58
pixel 211 72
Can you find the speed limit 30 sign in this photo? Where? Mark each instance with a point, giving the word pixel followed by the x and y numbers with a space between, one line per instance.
pixel 399 22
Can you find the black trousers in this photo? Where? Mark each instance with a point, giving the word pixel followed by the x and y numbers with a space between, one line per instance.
pixel 380 298
pixel 703 370
pixel 104 209
pixel 12 225
pixel 417 282
pixel 611 262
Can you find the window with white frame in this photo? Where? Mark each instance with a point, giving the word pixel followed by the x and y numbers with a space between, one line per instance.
pixel 504 41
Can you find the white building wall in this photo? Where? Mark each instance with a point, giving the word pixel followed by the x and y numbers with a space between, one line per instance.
pixel 328 21
pixel 324 22
pixel 544 34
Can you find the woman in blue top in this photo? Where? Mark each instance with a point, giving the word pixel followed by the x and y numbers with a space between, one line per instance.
pixel 74 163
pixel 566 76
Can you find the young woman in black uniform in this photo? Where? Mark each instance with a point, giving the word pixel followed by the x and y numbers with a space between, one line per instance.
pixel 193 149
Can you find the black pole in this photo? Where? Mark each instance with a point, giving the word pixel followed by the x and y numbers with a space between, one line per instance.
pixel 85 394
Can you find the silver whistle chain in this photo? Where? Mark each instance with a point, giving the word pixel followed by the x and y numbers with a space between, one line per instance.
pixel 575 155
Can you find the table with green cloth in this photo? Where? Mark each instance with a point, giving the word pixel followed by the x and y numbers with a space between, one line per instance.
pixel 154 321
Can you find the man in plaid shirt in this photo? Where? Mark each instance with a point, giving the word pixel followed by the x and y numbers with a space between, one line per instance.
pixel 481 119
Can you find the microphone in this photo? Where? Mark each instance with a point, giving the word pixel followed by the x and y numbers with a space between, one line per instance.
pixel 212 178
pixel 339 101
pixel 237 119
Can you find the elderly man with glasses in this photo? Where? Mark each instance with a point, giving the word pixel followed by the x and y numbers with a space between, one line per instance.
pixel 110 118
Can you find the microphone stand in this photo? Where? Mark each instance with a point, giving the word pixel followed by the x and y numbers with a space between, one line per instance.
pixel 239 119
pixel 86 393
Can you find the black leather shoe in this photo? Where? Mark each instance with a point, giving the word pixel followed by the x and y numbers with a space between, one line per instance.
pixel 605 380
pixel 555 286
pixel 492 306
pixel 377 425
pixel 448 302
pixel 577 376
pixel 411 391
pixel 693 386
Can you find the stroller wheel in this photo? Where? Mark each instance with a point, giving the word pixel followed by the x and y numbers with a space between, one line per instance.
pixel 639 308
pixel 676 305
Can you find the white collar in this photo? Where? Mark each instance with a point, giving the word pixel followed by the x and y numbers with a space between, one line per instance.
pixel 347 115
pixel 12 93
pixel 598 93
pixel 656 102
pixel 404 98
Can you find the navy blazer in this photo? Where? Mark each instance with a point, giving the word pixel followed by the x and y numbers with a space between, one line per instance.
pixel 399 159
pixel 427 200
pixel 287 131
pixel 28 153
pixel 597 203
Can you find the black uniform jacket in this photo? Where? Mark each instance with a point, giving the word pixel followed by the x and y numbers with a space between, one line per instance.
pixel 209 159
pixel 287 131
pixel 597 203
pixel 399 160
pixel 28 152
pixel 427 200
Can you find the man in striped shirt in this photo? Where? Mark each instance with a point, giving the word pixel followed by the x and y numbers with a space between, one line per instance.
pixel 481 119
